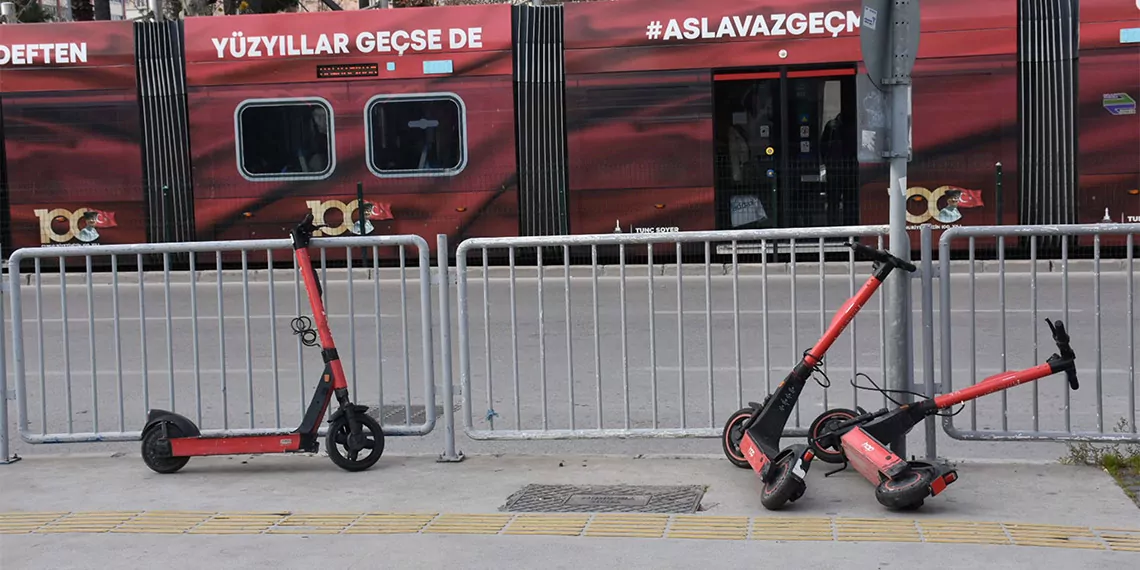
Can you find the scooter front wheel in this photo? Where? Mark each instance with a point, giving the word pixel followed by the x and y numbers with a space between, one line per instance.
pixel 732 435
pixel 785 486
pixel 370 440
pixel 907 491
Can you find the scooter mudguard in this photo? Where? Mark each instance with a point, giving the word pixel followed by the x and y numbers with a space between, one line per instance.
pixel 358 409
pixel 944 475
pixel 156 417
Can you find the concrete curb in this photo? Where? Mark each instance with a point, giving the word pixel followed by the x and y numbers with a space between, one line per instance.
pixel 808 270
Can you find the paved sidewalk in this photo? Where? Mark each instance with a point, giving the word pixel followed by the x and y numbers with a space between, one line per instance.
pixel 412 512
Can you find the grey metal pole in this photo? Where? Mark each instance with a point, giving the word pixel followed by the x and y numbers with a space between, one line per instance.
pixel 3 360
pixel 898 291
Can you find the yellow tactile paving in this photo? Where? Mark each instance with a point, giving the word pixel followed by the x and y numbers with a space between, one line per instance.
pixel 708 527
pixel 792 528
pixel 390 523
pixel 468 524
pixel 965 532
pixel 548 524
pixel 627 525
pixel 881 530
pixel 694 527
pixel 1121 539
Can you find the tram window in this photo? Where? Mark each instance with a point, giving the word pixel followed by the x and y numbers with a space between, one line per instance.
pixel 285 139
pixel 418 135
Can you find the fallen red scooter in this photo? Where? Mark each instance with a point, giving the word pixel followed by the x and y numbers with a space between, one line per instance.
pixel 751 436
pixel 169 440
pixel 863 439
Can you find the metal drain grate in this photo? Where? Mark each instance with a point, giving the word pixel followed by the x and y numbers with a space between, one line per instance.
pixel 606 499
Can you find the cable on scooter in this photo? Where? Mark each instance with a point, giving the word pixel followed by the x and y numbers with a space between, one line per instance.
pixel 303 326
pixel 885 391
pixel 818 368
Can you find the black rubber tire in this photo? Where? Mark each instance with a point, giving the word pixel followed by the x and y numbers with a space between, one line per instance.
pixel 907 491
pixel 833 415
pixel 339 432
pixel 158 461
pixel 784 486
pixel 731 436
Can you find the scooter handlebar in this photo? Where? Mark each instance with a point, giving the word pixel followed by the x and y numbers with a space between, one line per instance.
pixel 883 257
pixel 303 232
pixel 1061 337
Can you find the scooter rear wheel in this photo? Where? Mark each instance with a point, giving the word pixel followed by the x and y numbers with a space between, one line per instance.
pixel 823 423
pixel 156 455
pixel 370 439
pixel 732 435
pixel 784 486
pixel 907 491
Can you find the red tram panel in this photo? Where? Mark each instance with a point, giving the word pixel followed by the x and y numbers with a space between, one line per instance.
pixel 71 134
pixel 427 92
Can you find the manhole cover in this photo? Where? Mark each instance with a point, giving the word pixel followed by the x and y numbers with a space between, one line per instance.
pixel 606 499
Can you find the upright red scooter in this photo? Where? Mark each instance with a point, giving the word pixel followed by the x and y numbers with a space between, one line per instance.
pixel 169 440
pixel 751 436
pixel 863 439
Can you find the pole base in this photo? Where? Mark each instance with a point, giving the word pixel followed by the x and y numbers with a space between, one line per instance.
pixel 444 458
pixel 10 460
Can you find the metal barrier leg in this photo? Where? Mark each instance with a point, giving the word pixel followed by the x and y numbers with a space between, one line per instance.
pixel 449 453
pixel 928 334
pixel 4 457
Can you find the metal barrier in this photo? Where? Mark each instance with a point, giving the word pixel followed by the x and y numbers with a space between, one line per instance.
pixel 4 457
pixel 516 358
pixel 1044 410
pixel 193 338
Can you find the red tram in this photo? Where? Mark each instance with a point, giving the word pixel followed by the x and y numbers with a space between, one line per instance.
pixel 497 120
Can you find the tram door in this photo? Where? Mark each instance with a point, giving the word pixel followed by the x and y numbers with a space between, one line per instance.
pixel 786 151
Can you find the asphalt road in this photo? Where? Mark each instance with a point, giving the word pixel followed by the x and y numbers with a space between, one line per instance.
pixel 384 366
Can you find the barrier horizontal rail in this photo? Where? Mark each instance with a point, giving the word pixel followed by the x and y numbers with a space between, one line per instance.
pixel 1047 410
pixel 197 326
pixel 516 359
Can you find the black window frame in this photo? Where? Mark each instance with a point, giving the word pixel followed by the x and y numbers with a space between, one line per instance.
pixel 405 97
pixel 284 102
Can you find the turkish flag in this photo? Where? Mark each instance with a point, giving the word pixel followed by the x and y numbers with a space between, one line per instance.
pixel 970 198
pixel 380 211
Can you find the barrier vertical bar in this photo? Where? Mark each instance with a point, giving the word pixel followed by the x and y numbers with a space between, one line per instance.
pixel 17 357
pixel 91 347
pixel 66 344
pixel 569 331
pixel 4 459
pixel 736 322
pixel 1131 339
pixel 945 354
pixel 542 341
pixel 680 338
pixel 597 335
pixel 927 253
pixel 449 453
pixel 1097 343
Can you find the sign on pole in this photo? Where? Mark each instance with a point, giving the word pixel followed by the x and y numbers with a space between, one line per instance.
pixel 888 28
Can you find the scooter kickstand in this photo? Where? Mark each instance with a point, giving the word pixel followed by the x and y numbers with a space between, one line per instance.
pixel 834 471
